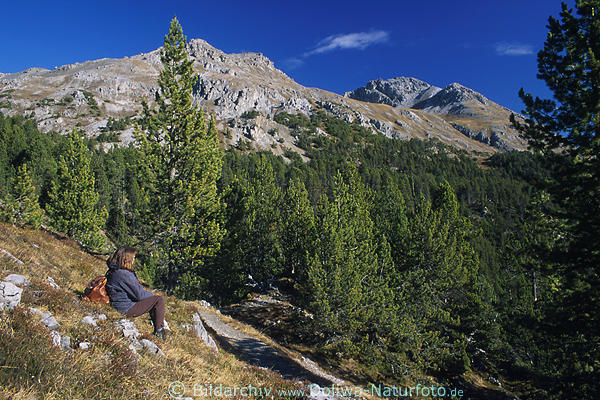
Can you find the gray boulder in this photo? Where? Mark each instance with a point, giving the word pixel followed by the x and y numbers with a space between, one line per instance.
pixel 128 328
pixel 202 333
pixel 152 347
pixel 136 345
pixel 10 295
pixel 93 319
pixel 16 279
pixel 49 321
pixel 65 343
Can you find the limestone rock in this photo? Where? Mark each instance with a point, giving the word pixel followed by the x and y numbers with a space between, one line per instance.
pixel 56 340
pixel 93 319
pixel 88 319
pixel 10 295
pixel 136 345
pixel 49 321
pixel 152 347
pixel 187 327
pixel 205 303
pixel 51 282
pixel 15 259
pixel 84 345
pixel 396 92
pixel 128 328
pixel 454 99
pixel 201 332
pixel 65 342
pixel 18 280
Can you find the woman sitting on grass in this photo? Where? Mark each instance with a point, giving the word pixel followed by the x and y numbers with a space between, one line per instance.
pixel 127 295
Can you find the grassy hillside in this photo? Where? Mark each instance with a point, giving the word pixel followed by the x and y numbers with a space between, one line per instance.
pixel 31 368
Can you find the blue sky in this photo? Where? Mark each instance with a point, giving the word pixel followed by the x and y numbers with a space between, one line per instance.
pixel 489 46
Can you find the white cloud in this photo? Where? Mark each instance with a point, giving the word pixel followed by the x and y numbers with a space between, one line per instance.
pixel 358 40
pixel 513 49
pixel 293 62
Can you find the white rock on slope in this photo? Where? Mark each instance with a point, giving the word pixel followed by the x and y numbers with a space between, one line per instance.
pixel 10 295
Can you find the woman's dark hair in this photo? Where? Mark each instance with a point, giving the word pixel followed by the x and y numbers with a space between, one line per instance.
pixel 123 258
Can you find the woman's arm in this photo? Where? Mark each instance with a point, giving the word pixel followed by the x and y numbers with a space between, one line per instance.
pixel 132 287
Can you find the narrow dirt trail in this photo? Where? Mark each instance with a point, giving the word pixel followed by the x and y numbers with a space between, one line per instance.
pixel 261 354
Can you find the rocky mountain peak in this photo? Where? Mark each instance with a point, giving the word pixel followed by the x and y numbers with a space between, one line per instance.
pixel 200 49
pixel 396 92
pixel 455 99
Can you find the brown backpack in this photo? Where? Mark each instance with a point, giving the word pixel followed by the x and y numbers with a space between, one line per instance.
pixel 96 290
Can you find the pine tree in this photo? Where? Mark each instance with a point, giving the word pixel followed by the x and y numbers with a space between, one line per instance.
pixel 181 160
pixel 257 225
pixel 299 231
pixel 566 131
pixel 21 206
pixel 346 275
pixel 390 216
pixel 73 201
pixel 437 275
pixel 229 271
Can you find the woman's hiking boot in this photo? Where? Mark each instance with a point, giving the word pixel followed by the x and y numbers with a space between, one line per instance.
pixel 161 334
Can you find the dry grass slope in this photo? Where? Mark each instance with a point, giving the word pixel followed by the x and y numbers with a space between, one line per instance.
pixel 31 368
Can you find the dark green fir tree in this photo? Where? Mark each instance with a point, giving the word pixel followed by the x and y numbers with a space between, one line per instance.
pixel 21 206
pixel 73 200
pixel 181 160
pixel 346 274
pixel 299 230
pixel 565 129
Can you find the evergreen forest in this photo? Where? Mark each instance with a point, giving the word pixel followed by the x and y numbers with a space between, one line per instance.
pixel 410 256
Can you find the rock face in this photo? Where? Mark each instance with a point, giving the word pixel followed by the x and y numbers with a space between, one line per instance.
pixel 455 99
pixel 397 92
pixel 87 94
pixel 466 110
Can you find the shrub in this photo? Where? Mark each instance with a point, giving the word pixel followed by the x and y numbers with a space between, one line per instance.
pixel 250 114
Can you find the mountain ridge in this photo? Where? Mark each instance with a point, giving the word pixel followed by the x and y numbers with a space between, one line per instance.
pixel 85 95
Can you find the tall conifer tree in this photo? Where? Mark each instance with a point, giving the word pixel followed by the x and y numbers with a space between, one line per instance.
pixel 346 274
pixel 437 276
pixel 73 201
pixel 299 231
pixel 21 206
pixel 182 161
pixel 566 131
